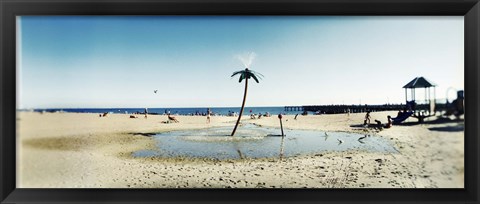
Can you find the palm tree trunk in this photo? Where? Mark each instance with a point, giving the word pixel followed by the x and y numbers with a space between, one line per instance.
pixel 243 105
pixel 281 127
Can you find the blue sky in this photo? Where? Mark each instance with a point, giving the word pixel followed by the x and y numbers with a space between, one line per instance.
pixel 117 61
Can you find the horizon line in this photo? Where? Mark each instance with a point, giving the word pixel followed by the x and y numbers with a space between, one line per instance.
pixel 209 106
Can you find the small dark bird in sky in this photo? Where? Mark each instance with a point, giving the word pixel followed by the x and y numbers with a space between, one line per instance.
pixel 155 91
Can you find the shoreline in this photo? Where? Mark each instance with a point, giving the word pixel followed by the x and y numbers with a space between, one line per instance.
pixel 84 150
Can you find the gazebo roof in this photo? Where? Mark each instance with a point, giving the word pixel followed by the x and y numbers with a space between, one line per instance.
pixel 419 82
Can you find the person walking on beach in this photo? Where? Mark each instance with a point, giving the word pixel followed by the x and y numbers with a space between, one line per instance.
pixel 146 113
pixel 367 118
pixel 208 117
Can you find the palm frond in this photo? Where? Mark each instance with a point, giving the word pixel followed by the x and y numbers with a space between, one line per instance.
pixel 237 72
pixel 254 77
pixel 247 74
pixel 260 76
pixel 243 76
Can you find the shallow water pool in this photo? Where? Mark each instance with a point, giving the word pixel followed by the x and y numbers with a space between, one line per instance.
pixel 251 141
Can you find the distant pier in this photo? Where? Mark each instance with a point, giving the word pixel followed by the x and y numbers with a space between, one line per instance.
pixel 336 109
pixel 294 108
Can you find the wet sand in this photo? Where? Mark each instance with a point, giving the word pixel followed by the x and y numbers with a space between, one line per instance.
pixel 72 150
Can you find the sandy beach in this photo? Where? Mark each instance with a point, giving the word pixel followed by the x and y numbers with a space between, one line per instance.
pixel 83 150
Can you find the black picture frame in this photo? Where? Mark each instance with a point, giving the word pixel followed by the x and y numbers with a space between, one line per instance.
pixel 9 9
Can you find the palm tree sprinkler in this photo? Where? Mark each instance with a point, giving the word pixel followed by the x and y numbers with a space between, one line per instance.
pixel 245 74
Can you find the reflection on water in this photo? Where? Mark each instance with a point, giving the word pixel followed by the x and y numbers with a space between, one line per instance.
pixel 282 147
pixel 252 141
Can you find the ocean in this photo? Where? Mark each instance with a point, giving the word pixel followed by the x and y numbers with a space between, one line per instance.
pixel 176 111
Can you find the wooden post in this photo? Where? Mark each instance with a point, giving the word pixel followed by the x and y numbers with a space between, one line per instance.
pixel 281 126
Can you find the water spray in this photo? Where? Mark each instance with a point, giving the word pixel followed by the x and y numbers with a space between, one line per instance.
pixel 247 58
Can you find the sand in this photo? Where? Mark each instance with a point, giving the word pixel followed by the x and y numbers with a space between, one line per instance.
pixel 82 150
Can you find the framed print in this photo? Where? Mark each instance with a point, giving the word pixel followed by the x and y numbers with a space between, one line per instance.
pixel 257 101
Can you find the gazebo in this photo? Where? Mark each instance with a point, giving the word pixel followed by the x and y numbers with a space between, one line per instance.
pixel 421 82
